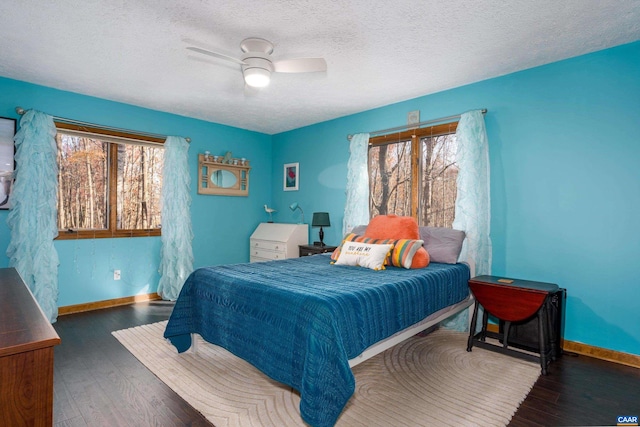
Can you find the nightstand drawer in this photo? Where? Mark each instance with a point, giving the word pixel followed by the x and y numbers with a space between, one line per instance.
pixel 307 250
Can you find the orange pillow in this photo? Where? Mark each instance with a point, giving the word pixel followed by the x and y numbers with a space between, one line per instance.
pixel 398 227
pixel 393 227
pixel 421 259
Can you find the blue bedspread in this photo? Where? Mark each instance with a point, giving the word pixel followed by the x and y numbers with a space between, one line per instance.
pixel 300 320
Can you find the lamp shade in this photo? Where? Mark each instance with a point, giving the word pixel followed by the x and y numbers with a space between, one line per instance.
pixel 320 219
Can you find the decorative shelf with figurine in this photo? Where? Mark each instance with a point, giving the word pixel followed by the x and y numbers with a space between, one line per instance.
pixel 223 175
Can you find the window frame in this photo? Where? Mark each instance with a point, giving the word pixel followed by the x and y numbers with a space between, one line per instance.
pixel 414 135
pixel 113 138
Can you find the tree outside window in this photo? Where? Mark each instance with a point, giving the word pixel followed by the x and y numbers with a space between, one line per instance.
pixel 413 173
pixel 108 185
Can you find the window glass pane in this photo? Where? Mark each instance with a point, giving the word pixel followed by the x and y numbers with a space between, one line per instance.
pixel 139 187
pixel 82 183
pixel 439 171
pixel 390 179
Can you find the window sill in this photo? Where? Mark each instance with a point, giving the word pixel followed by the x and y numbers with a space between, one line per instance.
pixel 105 234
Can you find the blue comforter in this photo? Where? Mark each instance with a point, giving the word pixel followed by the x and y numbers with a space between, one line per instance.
pixel 300 320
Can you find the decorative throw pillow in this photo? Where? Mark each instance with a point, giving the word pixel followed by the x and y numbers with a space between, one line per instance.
pixel 392 227
pixel 398 227
pixel 402 254
pixel 443 244
pixel 359 229
pixel 404 251
pixel 348 238
pixel 364 255
pixel 421 259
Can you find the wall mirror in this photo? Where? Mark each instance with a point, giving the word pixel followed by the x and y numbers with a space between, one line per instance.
pixel 223 175
pixel 223 178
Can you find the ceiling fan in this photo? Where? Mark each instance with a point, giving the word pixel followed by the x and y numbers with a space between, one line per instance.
pixel 257 63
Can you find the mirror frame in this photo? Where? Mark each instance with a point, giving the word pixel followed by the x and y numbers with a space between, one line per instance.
pixel 207 166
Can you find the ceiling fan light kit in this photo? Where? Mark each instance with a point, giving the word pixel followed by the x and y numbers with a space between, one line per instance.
pixel 257 71
pixel 257 64
pixel 257 77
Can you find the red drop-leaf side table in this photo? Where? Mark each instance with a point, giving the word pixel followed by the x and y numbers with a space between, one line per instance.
pixel 517 302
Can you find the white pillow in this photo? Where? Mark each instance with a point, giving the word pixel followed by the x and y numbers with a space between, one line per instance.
pixel 364 254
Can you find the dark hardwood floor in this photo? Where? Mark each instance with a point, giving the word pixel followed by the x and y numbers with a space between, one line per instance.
pixel 581 391
pixel 99 383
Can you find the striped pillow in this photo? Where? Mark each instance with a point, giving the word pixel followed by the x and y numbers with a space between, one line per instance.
pixel 403 252
pixel 401 255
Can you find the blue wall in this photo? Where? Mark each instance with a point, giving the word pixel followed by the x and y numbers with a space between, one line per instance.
pixel 86 266
pixel 565 180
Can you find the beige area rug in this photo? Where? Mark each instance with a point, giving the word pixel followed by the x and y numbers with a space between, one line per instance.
pixel 424 381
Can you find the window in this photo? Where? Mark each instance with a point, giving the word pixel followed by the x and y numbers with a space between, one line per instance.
pixel 109 183
pixel 414 173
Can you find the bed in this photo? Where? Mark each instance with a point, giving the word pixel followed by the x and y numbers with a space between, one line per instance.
pixel 304 322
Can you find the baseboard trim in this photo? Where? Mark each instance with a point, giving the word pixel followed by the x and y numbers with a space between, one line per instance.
pixel 602 353
pixel 591 351
pixel 98 305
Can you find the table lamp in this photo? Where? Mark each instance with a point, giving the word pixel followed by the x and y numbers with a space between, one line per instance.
pixel 321 219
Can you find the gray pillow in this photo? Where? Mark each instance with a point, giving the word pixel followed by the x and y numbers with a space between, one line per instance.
pixel 359 229
pixel 443 244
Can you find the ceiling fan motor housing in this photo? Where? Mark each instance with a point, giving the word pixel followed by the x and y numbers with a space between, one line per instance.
pixel 256 61
pixel 256 44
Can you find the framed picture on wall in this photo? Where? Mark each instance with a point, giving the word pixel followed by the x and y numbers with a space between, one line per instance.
pixel 7 165
pixel 291 176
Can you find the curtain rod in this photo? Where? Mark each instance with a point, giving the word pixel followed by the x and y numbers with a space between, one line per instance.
pixel 21 111
pixel 415 125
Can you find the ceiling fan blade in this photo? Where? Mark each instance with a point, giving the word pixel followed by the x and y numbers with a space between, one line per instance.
pixel 217 55
pixel 300 65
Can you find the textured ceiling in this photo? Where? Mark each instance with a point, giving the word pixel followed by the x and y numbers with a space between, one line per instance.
pixel 378 51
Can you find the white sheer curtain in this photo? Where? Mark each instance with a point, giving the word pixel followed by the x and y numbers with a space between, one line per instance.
pixel 33 219
pixel 356 209
pixel 176 256
pixel 473 204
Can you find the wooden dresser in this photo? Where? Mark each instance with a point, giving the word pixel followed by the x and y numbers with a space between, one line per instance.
pixel 26 356
pixel 272 241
